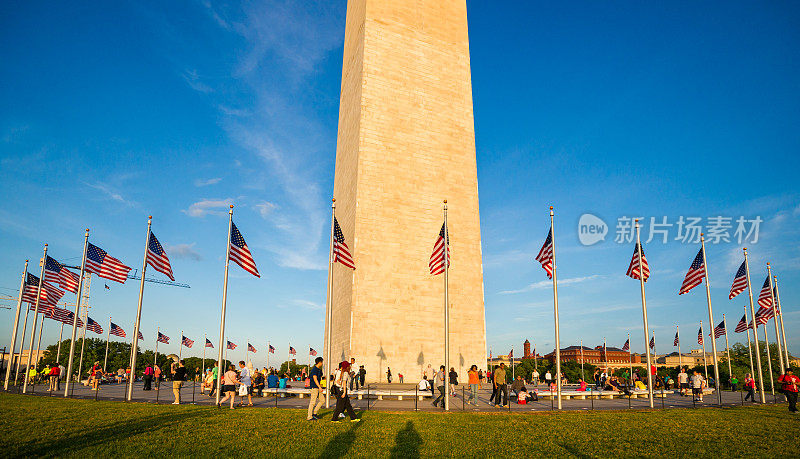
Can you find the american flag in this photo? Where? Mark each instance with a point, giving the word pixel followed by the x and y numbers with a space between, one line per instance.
pixel 271 349
pixel 312 352
pixel 340 251
pixel 697 271
pixel 763 315
pixel 627 346
pixel 545 256
pixel 719 330
pixel 50 294
pixel 56 273
pixel 91 325
pixel 742 326
pixel 653 342
pixel 231 346
pixel 250 348
pixel 107 287
pixel 141 336
pixel 208 343
pixel 633 269
pixel 63 315
pixel 239 253
pixel 157 257
pixel 739 281
pixel 104 265
pixel 116 330
pixel 162 338
pixel 292 351
pixel 186 341
pixel 677 340
pixel 700 336
pixel 765 297
pixel 511 354
pixel 437 261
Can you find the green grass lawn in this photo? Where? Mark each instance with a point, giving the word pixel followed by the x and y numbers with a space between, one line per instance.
pixel 35 426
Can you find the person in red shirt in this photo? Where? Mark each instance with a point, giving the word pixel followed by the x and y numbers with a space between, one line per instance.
pixel 55 373
pixel 790 383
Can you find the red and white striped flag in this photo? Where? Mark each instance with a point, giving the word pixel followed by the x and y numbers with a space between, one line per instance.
pixel 116 330
pixel 141 336
pixel 50 294
pixel 312 352
pixel 186 342
pixel 545 256
pixel 438 259
pixel 56 273
pixel 765 297
pixel 240 254
pixel 637 265
pixel 104 265
pixel 676 341
pixel 742 326
pixel 63 315
pixel 719 330
pixel 162 338
pixel 739 281
pixel 250 347
pixel 700 336
pixel 231 346
pixel 292 351
pixel 341 252
pixel 208 343
pixel 271 349
pixel 157 257
pixel 625 347
pixel 91 325
pixel 697 271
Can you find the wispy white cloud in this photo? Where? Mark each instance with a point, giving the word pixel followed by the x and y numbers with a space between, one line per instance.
pixel 207 182
pixel 110 193
pixel 193 80
pixel 549 284
pixel 208 207
pixel 265 208
pixel 184 251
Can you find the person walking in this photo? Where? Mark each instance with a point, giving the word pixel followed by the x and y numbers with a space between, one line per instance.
pixel 157 375
pixel 147 377
pixel 500 384
pixel 734 383
pixel 535 378
pixel 316 395
pixel 474 379
pixel 229 381
pixel 697 386
pixel 245 380
pixel 548 378
pixel 683 382
pixel 439 383
pixel 453 380
pixel 750 387
pixel 97 372
pixel 178 377
pixel 341 382
pixel 490 380
pixel 790 382
pixel 55 375
pixel 388 375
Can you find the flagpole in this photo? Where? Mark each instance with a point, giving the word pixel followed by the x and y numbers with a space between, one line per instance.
pixel 16 326
pixel 137 324
pixel 22 344
pixel 268 355
pixel 755 329
pixel 783 330
pixel 703 343
pixel 582 377
pixel 711 321
pixel 58 350
pixel 224 302
pixel 727 349
pixel 108 337
pixel 155 357
pixel 680 356
pixel 630 359
pixel 446 255
pixel 769 359
pixel 35 321
pixel 555 309
pixel 749 348
pixel 775 317
pixel 644 315
pixel 203 374
pixel 83 340
pixel 39 344
pixel 328 312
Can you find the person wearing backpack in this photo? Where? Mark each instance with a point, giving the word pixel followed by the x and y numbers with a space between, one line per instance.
pixel 341 383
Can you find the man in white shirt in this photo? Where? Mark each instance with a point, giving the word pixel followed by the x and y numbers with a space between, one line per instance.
pixel 244 377
pixel 683 382
pixel 423 383
pixel 548 378
pixel 535 378
pixel 698 383
pixel 430 373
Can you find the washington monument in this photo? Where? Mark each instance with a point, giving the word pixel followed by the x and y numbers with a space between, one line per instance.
pixel 406 142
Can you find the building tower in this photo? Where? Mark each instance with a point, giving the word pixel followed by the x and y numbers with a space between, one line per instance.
pixel 406 142
pixel 526 347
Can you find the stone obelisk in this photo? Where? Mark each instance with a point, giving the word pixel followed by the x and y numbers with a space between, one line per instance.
pixel 406 142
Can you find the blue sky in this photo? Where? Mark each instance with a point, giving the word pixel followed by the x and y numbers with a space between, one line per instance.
pixel 115 112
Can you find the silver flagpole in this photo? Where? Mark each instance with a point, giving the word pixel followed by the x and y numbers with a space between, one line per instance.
pixel 60 336
pixel 555 309
pixel 180 346
pixel 328 314
pixel 727 349
pixel 22 344
pixel 224 302
pixel 775 316
pixel 16 326
pixel 644 316
pixel 39 342
pixel 268 356
pixel 447 308
pixel 203 374
pixel 769 359
pixel 108 337
pixel 83 341
pixel 582 376
pixel 749 348
pixel 75 318
pixel 680 357
pixel 630 360
pixel 755 329
pixel 35 319
pixel 780 311
pixel 711 321
pixel 137 324
pixel 703 342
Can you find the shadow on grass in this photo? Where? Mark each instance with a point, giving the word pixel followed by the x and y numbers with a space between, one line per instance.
pixel 89 438
pixel 407 442
pixel 339 445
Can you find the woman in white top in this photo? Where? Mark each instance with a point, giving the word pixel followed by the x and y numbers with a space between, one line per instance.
pixel 341 381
